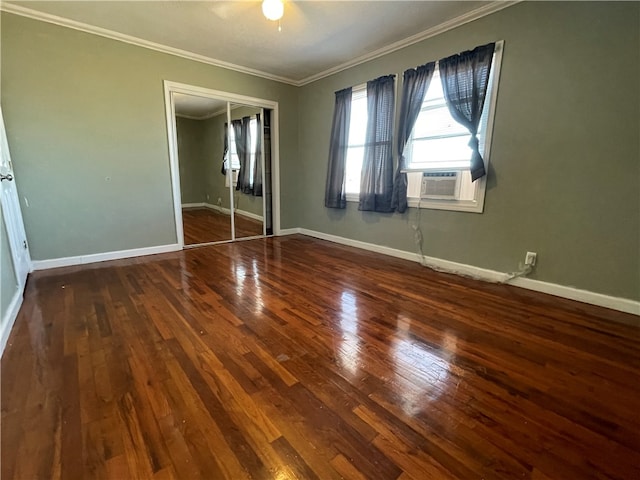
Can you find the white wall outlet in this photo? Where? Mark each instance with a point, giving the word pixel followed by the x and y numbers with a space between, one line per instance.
pixel 530 259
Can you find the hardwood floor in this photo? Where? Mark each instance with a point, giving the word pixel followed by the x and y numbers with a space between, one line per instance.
pixel 203 225
pixel 293 357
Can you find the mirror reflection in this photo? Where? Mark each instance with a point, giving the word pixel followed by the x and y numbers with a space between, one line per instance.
pixel 224 157
pixel 199 143
pixel 245 157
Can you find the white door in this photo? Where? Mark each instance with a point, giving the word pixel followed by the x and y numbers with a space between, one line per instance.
pixel 12 213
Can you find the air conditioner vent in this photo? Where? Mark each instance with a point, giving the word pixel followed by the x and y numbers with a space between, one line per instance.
pixel 234 175
pixel 440 185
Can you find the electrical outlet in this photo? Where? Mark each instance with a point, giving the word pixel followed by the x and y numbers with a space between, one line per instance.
pixel 530 259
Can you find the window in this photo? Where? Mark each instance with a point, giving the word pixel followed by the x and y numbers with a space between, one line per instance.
pixel 253 134
pixel 233 153
pixel 437 141
pixel 357 136
pixel 438 145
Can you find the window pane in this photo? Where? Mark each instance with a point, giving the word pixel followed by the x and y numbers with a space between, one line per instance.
pixel 434 92
pixel 354 167
pixel 427 149
pixel 453 152
pixel 235 161
pixel 357 134
pixel 435 122
pixel 358 125
pixel 253 133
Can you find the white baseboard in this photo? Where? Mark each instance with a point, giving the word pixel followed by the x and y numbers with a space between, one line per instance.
pixel 217 208
pixel 253 216
pixel 9 319
pixel 289 231
pixel 227 211
pixel 193 205
pixel 615 303
pixel 101 257
pixel 585 296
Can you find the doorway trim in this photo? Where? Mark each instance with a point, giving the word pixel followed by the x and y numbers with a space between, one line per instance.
pixel 170 113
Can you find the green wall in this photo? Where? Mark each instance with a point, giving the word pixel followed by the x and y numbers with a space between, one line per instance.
pixel 85 120
pixel 86 123
pixel 200 147
pixel 191 160
pixel 8 282
pixel 214 145
pixel 564 177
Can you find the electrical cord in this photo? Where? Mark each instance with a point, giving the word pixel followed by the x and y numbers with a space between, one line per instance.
pixel 418 239
pixel 524 271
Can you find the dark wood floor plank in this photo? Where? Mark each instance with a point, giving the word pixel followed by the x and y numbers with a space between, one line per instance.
pixel 203 225
pixel 296 358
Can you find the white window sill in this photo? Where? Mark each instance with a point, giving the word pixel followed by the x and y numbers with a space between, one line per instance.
pixel 453 205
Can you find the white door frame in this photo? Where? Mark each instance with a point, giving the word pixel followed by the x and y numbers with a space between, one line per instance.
pixel 170 111
pixel 18 246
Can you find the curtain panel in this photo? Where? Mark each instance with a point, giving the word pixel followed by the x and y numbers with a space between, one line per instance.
pixel 223 170
pixel 267 188
pixel 465 78
pixel 376 182
pixel 243 147
pixel 414 87
pixel 237 135
pixel 335 195
pixel 257 167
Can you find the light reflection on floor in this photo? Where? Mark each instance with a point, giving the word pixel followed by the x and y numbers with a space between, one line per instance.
pixel 350 345
pixel 420 373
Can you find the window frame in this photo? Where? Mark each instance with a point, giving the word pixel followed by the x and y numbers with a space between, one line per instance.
pixel 356 91
pixel 232 154
pixel 476 205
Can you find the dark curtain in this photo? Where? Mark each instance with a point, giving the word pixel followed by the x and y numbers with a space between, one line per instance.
pixel 257 167
pixel 237 135
pixel 243 148
pixel 414 87
pixel 376 183
pixel 267 193
pixel 223 170
pixel 334 195
pixel 465 78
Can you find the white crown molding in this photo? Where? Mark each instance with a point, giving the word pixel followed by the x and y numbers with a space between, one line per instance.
pixel 207 116
pixel 103 32
pixel 418 37
pixel 193 117
pixel 438 264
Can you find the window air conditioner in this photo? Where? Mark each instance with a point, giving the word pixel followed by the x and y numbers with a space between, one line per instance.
pixel 234 175
pixel 440 185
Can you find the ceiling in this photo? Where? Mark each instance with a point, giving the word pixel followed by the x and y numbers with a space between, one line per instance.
pixel 197 108
pixel 317 37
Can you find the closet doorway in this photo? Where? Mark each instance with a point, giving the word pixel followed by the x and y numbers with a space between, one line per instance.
pixel 223 150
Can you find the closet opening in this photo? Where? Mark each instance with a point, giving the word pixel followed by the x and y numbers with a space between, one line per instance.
pixel 223 150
